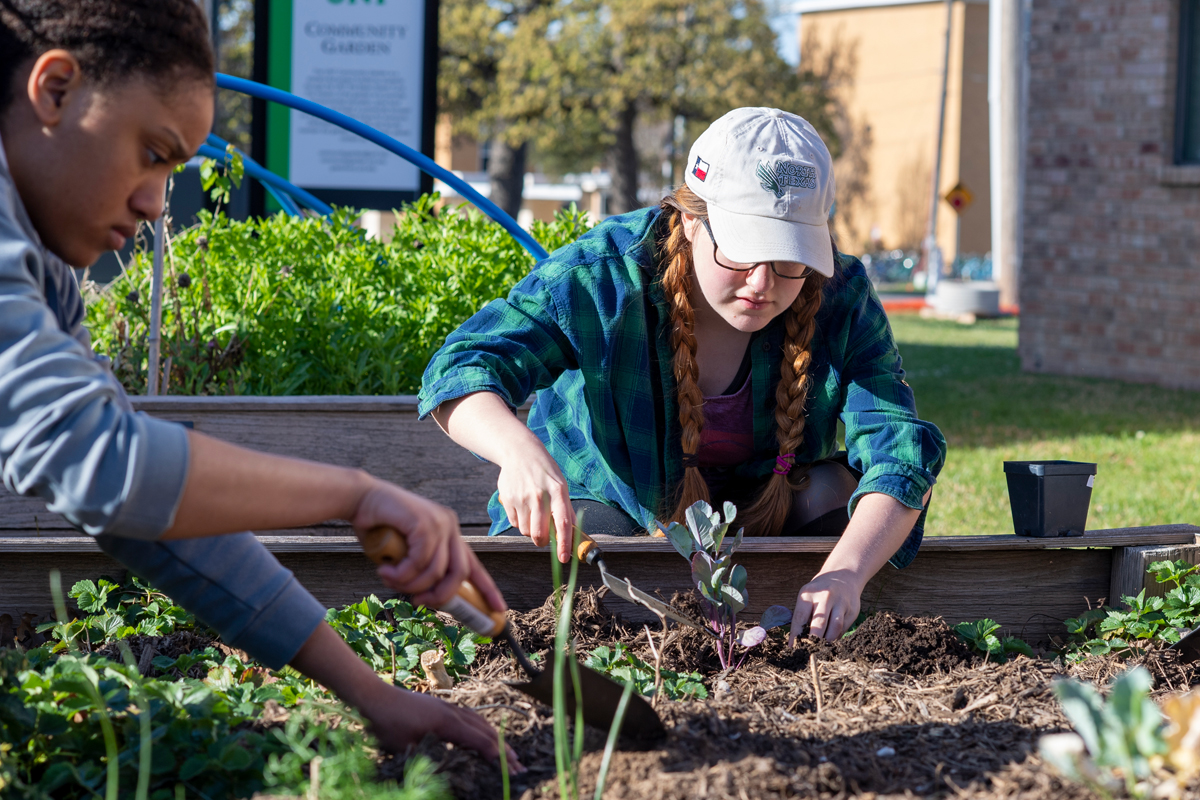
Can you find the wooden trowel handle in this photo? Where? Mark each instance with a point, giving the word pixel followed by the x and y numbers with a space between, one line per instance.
pixel 587 549
pixel 386 545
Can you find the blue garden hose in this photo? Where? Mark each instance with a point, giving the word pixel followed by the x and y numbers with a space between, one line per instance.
pixel 423 162
pixel 278 187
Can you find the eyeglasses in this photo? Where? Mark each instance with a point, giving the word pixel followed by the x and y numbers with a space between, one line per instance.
pixel 792 270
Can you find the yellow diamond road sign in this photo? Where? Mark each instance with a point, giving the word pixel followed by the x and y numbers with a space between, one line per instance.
pixel 959 198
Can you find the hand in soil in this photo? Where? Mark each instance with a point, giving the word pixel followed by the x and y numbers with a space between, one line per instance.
pixel 526 479
pixel 403 719
pixel 828 604
pixel 438 559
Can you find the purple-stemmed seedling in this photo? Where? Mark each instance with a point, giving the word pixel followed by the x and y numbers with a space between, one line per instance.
pixel 720 582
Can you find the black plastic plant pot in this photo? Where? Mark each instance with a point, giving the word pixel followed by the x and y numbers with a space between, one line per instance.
pixel 1049 498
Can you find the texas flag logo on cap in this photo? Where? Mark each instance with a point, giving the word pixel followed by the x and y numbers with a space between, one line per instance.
pixel 701 168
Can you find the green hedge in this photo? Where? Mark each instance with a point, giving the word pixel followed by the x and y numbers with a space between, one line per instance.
pixel 287 306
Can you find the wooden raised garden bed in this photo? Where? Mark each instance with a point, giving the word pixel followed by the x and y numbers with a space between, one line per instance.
pixel 1028 585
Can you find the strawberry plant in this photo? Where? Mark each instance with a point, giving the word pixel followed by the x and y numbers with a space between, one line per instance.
pixel 1145 620
pixel 720 582
pixel 112 611
pixel 981 636
pixel 76 724
pixel 618 662
pixel 72 729
pixel 391 636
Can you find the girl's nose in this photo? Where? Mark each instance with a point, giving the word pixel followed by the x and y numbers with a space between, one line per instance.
pixel 148 199
pixel 759 278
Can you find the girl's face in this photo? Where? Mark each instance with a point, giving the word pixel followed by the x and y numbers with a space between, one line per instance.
pixel 90 162
pixel 746 301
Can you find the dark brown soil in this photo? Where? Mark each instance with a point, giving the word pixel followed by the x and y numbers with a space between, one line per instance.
pixel 905 712
pixel 911 645
pixel 146 648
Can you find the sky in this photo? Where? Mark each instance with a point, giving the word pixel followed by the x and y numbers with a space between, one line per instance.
pixel 784 22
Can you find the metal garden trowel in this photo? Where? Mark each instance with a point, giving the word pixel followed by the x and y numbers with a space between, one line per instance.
pixel 600 695
pixel 590 553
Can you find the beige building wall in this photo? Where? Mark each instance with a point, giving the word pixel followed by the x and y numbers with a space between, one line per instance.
pixel 454 152
pixel 894 88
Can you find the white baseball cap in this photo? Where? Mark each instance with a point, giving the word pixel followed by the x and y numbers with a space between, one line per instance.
pixel 768 181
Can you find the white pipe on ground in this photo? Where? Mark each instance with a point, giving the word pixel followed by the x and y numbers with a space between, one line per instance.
pixel 932 255
pixel 156 290
pixel 1007 76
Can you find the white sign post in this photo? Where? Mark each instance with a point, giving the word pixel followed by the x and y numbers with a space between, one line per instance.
pixel 366 59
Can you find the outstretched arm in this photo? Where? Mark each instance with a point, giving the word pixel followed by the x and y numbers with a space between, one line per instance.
pixel 231 489
pixel 399 718
pixel 483 423
pixel 830 602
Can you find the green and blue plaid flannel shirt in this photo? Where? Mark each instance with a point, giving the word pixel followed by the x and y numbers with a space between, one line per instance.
pixel 588 331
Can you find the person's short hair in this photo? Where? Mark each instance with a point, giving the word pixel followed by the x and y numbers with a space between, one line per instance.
pixel 165 41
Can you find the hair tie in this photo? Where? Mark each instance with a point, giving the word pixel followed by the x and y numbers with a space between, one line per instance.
pixel 691 460
pixel 782 463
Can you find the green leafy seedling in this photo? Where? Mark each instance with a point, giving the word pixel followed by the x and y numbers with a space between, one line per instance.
pixel 981 636
pixel 1117 736
pixel 721 583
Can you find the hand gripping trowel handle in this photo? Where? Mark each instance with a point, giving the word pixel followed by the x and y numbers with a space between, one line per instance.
pixel 386 545
pixel 602 696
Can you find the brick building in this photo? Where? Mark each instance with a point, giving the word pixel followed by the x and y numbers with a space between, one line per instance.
pixel 1110 270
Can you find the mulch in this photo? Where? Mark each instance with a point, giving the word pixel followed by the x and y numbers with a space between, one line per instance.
pixel 900 709
pixel 904 711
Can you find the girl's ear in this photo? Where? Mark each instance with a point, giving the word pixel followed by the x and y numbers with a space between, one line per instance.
pixel 55 78
pixel 691 224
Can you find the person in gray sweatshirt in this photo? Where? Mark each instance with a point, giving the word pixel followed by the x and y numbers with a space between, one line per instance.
pixel 99 102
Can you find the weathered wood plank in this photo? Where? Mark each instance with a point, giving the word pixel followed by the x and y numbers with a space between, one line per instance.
pixel 165 405
pixel 25 578
pixel 336 538
pixel 1129 575
pixel 1029 592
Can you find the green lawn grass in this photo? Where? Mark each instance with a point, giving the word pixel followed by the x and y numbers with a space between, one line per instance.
pixel 967 380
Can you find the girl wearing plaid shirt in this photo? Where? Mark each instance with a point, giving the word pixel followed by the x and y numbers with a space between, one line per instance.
pixel 704 349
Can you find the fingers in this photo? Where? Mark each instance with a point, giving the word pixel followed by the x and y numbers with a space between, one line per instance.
pixel 479 576
pixel 560 506
pixel 419 577
pixel 820 615
pixel 566 543
pixel 836 622
pixel 532 524
pixel 456 571
pixel 510 511
pixel 800 618
pixel 539 521
pixel 468 729
pixel 424 541
pixel 514 765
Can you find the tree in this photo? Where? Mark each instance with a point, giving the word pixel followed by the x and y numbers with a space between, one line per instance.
pixel 578 75
pixel 235 54
pixel 474 39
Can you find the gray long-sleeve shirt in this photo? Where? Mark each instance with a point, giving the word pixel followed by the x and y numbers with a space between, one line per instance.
pixel 69 435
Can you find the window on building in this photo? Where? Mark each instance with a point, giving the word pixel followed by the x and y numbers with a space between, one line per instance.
pixel 1187 103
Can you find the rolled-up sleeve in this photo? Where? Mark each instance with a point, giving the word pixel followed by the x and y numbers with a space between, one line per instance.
pixel 898 454
pixel 511 347
pixel 233 585
pixel 67 434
